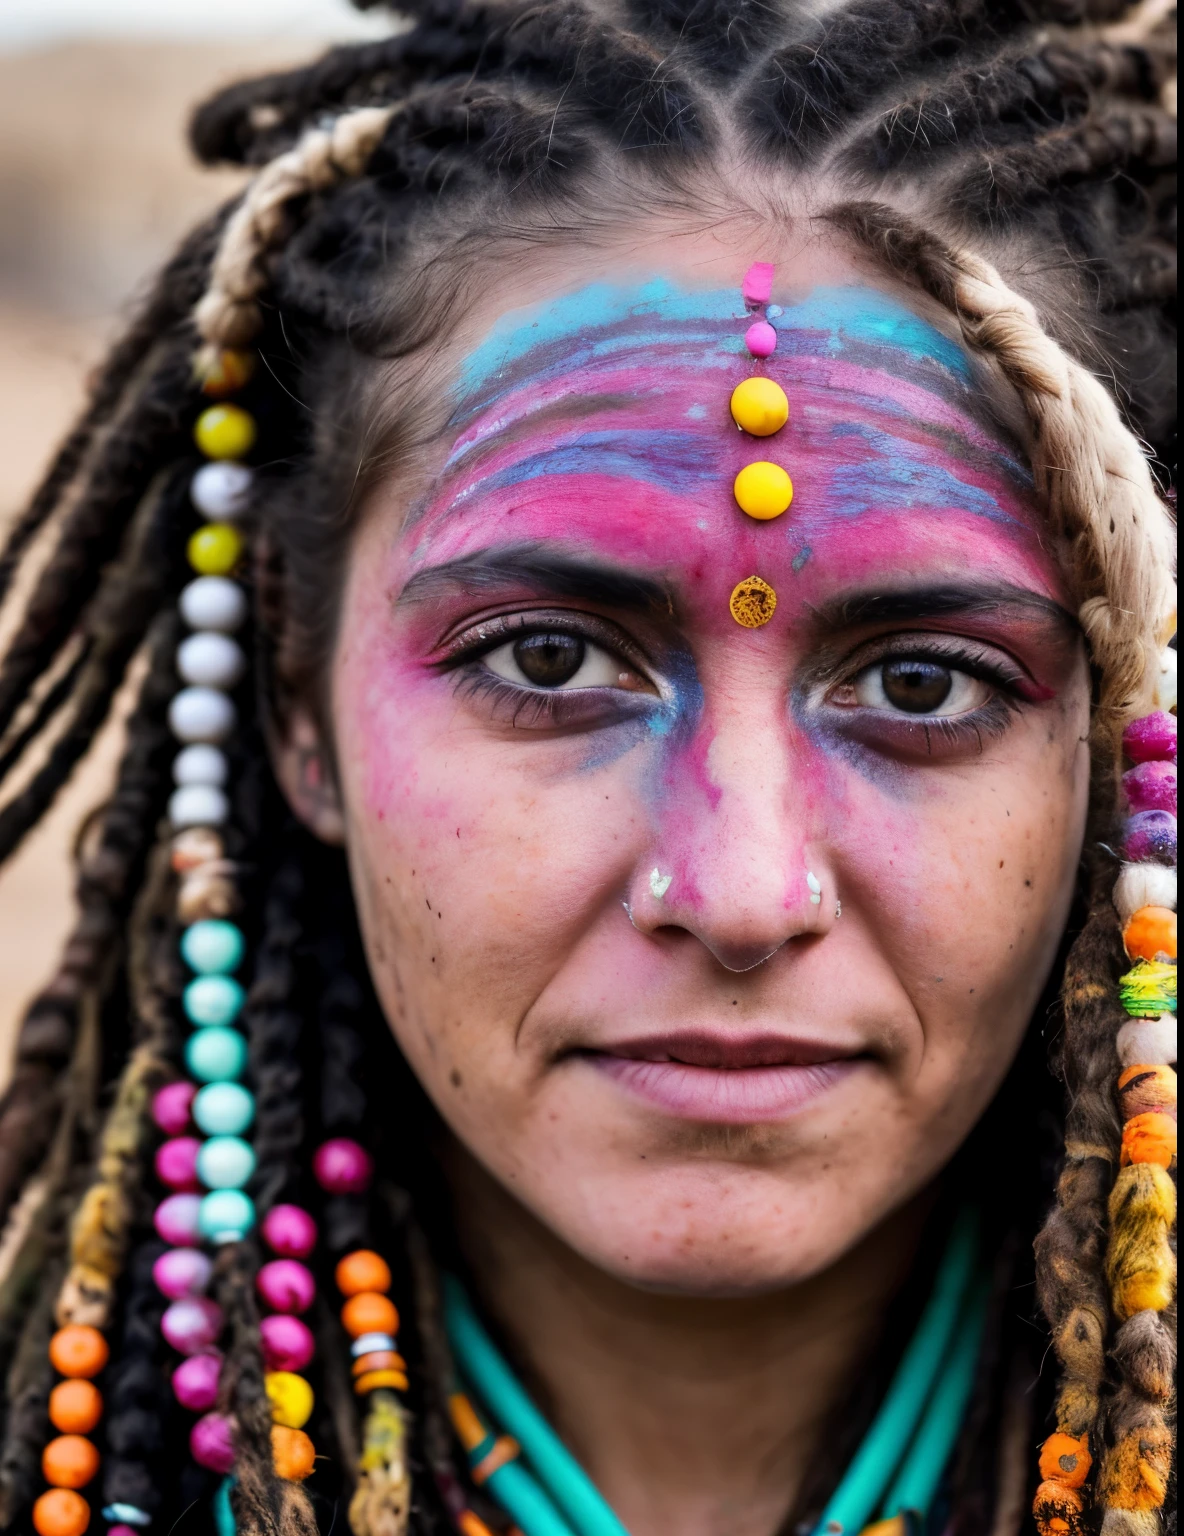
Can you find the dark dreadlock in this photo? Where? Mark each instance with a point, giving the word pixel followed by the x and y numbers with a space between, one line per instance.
pixel 1024 130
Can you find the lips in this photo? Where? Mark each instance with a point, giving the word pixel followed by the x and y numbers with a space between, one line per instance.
pixel 726 1079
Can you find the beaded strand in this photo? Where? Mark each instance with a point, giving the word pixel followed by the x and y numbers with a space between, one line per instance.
pixel 1140 1263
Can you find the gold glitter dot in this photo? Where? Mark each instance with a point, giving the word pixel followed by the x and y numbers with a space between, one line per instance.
pixel 752 602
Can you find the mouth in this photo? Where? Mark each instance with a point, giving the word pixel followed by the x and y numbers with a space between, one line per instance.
pixel 724 1079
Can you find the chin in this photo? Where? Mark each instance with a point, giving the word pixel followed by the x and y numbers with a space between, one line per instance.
pixel 690 1234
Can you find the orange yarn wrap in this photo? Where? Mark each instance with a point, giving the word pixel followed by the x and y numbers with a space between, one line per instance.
pixel 1149 1138
pixel 1135 1473
pixel 1058 1510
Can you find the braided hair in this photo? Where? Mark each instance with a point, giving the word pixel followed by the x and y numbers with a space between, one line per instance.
pixel 1013 160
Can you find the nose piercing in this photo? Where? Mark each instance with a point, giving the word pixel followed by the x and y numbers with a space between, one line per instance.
pixel 815 885
pixel 659 884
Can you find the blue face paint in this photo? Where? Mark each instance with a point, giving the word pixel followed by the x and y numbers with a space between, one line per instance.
pixel 836 322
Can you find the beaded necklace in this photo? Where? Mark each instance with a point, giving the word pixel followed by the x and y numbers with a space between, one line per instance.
pixel 895 1472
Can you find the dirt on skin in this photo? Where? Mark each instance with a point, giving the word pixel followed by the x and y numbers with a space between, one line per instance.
pixel 95 188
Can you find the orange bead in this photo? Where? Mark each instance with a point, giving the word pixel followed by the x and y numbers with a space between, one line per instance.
pixel 292 1452
pixel 363 1271
pixel 75 1407
pixel 379 1360
pixel 70 1461
pixel 227 372
pixel 1151 934
pixel 368 1312
pixel 78 1350
pixel 1058 1510
pixel 372 1380
pixel 1065 1460
pixel 1149 1138
pixel 61 1513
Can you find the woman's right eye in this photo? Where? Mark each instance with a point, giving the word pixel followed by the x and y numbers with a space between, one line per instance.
pixel 559 659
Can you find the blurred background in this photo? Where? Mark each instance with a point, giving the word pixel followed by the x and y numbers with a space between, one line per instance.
pixel 95 187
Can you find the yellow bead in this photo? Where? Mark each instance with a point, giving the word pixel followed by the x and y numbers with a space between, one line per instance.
pixel 752 602
pixel 215 549
pixel 224 432
pixel 760 406
pixel 291 1398
pixel 763 490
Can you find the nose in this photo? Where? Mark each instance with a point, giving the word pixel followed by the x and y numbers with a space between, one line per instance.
pixel 734 861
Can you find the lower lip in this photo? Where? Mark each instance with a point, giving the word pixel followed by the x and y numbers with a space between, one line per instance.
pixel 724 1096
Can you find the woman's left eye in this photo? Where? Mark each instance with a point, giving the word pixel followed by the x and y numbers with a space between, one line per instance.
pixel 915 686
pixel 558 659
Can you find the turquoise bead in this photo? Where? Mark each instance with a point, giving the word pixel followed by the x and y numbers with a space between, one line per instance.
pixel 226 1215
pixel 223 1109
pixel 212 1000
pixel 212 947
pixel 216 1055
pixel 225 1162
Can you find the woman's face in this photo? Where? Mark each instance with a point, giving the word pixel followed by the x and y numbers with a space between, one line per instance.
pixel 710 942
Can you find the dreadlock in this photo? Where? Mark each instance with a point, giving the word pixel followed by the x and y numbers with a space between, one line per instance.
pixel 1015 161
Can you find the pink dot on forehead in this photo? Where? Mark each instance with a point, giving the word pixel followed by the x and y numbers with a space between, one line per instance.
pixel 757 287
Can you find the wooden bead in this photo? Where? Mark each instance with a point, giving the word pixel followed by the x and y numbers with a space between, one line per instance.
pixel 61 1512
pixel 194 847
pixel 1058 1510
pixel 75 1407
pixel 363 1271
pixel 225 372
pixel 70 1461
pixel 379 1360
pixel 292 1452
pixel 372 1380
pixel 368 1312
pixel 1147 1088
pixel 78 1350
pixel 1151 934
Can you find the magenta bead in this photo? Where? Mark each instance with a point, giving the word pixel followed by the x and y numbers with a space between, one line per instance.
pixel 761 339
pixel 1151 739
pixel 195 1382
pixel 342 1167
pixel 1149 837
pixel 211 1443
pixel 1151 787
pixel 182 1272
pixel 170 1107
pixel 286 1286
pixel 176 1220
pixel 287 1343
pixel 176 1162
pixel 289 1231
pixel 192 1324
pixel 122 1530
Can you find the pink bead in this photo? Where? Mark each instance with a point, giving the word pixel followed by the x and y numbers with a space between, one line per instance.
pixel 211 1443
pixel 286 1286
pixel 122 1530
pixel 1151 787
pixel 1151 739
pixel 176 1162
pixel 289 1231
pixel 182 1272
pixel 195 1382
pixel 192 1324
pixel 176 1221
pixel 170 1107
pixel 287 1343
pixel 342 1167
pixel 761 339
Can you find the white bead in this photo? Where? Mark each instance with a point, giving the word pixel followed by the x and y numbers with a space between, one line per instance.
pixel 211 660
pixel 369 1342
pixel 1148 1042
pixel 1163 694
pixel 213 602
pixel 1144 885
pixel 198 805
pixel 201 714
pixel 221 489
pixel 200 764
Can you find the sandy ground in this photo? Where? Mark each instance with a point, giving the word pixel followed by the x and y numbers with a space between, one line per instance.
pixel 95 186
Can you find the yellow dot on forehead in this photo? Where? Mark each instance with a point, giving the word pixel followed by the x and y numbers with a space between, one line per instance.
pixel 752 602
pixel 760 406
pixel 763 490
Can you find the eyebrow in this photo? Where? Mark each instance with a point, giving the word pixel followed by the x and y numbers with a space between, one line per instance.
pixel 544 571
pixel 936 602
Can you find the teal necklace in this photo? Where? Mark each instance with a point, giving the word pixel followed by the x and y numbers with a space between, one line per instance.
pixel 897 1468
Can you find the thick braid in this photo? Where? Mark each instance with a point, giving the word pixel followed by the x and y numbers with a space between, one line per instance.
pixel 1089 470
pixel 139 1405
